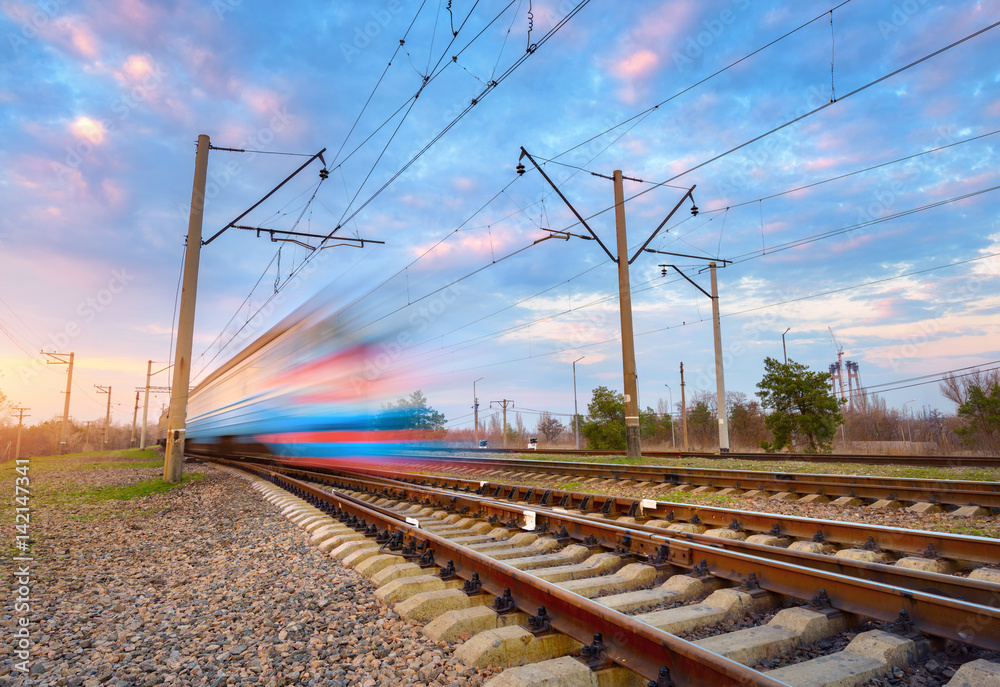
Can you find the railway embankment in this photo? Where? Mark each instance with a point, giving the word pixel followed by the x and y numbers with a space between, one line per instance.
pixel 133 583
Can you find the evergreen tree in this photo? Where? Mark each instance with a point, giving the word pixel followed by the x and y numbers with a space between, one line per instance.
pixel 981 411
pixel 801 406
pixel 604 427
pixel 410 413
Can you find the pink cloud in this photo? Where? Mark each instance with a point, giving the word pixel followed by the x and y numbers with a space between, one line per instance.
pixel 638 65
pixel 648 45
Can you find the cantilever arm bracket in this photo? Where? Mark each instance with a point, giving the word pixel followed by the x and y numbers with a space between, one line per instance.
pixel 525 153
pixel 689 279
pixel 666 219
pixel 268 195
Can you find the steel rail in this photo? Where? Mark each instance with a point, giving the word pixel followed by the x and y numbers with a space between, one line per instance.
pixel 963 548
pixel 629 643
pixel 952 492
pixel 609 534
pixel 959 620
pixel 951 461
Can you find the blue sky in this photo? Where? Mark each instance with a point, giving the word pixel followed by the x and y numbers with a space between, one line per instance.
pixel 103 102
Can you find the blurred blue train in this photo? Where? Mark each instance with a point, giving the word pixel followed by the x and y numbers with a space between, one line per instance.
pixel 305 391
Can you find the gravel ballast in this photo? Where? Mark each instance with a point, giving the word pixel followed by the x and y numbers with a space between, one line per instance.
pixel 205 584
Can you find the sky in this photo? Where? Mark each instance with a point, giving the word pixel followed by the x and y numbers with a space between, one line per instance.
pixel 847 171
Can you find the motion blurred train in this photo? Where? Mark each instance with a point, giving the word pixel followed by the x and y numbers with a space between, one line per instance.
pixel 304 392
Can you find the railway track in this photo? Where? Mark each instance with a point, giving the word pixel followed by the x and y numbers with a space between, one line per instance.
pixel 602 569
pixel 921 460
pixel 925 495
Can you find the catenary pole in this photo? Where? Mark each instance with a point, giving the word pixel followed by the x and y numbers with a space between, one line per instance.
pixel 475 411
pixel 107 418
pixel 632 445
pixel 135 414
pixel 684 411
pixel 60 359
pixel 145 407
pixel 177 426
pixel 720 380
pixel 576 410
pixel 20 419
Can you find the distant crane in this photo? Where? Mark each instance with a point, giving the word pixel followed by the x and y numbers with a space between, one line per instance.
pixel 837 371
pixel 836 375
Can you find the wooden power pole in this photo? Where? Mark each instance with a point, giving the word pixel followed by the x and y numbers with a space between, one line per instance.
pixel 684 411
pixel 20 419
pixel 107 418
pixel 173 462
pixel 622 259
pixel 504 403
pixel 64 359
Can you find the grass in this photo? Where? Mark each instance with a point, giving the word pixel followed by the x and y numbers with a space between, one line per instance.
pixel 93 460
pixel 56 483
pixel 131 491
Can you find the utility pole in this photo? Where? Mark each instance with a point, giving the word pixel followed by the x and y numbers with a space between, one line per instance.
pixel 576 411
pixel 61 359
pixel 504 403
pixel 20 419
pixel 720 384
pixel 145 407
pixel 475 411
pixel 720 380
pixel 784 350
pixel 673 442
pixel 107 418
pixel 145 404
pixel 173 462
pixel 135 414
pixel 629 377
pixel 684 411
pixel 632 445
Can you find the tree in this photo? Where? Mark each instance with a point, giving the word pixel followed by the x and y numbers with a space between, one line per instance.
pixel 550 428
pixel 604 427
pixel 702 425
pixel 981 411
pixel 801 406
pixel 746 420
pixel 410 413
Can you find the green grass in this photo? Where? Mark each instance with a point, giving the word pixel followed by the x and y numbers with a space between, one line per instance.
pixel 158 463
pixel 93 460
pixel 128 491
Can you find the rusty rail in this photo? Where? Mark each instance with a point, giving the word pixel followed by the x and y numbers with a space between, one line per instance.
pixel 629 643
pixel 951 492
pixel 964 621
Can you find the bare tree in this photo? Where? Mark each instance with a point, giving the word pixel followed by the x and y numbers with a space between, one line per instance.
pixel 956 389
pixel 550 428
